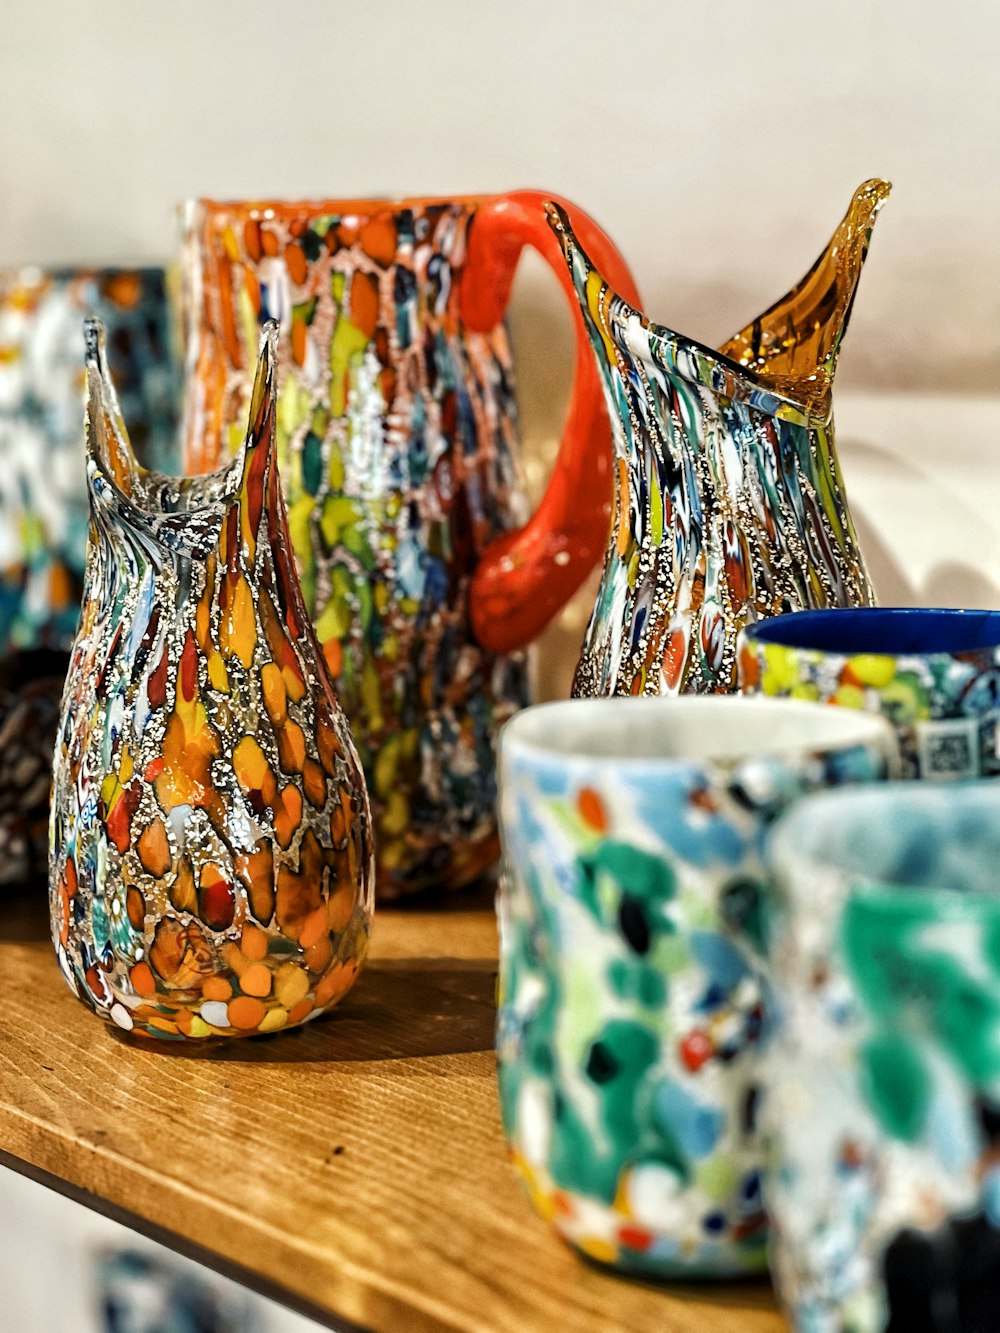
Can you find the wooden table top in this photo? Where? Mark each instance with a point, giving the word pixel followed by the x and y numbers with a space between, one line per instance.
pixel 354 1168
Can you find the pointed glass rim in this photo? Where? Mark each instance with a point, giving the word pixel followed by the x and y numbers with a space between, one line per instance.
pixel 728 376
pixel 100 385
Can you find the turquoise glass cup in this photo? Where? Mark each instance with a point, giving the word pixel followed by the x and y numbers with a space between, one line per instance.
pixel 882 1105
pixel 633 1002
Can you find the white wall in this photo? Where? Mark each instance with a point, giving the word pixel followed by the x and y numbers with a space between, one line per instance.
pixel 52 1252
pixel 718 143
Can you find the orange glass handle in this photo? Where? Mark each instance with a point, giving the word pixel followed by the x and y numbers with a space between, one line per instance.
pixel 525 577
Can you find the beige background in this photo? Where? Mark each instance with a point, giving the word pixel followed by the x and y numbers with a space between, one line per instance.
pixel 718 143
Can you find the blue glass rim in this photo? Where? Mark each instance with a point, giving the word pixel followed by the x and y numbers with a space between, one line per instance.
pixel 890 631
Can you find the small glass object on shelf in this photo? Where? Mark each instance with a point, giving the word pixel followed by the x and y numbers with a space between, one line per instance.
pixel 882 1105
pixel 211 868
pixel 43 501
pixel 933 672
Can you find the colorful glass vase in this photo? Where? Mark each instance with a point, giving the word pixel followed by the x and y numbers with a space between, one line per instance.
pixel 934 672
pixel 399 448
pixel 729 500
pixel 211 868
pixel 43 501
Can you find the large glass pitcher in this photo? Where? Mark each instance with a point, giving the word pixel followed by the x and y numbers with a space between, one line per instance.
pixel 398 440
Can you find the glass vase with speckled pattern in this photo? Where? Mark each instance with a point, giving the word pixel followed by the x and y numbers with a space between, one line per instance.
pixel 211 863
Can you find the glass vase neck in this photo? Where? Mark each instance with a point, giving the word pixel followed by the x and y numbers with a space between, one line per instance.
pixel 180 514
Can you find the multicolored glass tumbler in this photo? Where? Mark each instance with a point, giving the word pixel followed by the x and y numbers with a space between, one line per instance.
pixel 211 868
pixel 399 447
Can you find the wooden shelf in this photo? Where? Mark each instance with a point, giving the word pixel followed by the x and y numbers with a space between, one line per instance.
pixel 354 1168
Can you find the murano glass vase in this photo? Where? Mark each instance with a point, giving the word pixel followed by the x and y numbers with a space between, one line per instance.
pixel 399 444
pixel 211 866
pixel 729 500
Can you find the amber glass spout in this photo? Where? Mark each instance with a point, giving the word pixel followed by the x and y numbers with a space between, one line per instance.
pixel 793 346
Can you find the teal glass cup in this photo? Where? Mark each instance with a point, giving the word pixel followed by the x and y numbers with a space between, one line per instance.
pixel 633 1002
pixel 881 1112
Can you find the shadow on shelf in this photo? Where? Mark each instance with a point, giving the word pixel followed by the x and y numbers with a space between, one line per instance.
pixel 399 1009
pixel 24 913
pixel 740 1293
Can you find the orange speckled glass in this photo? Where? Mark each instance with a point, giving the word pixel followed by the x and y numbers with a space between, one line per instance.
pixel 398 442
pixel 211 869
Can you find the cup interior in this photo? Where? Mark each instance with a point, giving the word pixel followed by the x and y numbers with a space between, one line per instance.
pixel 889 631
pixel 652 730
pixel 903 835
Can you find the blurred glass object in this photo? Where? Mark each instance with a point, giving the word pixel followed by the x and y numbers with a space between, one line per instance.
pixel 43 499
pixel 145 1293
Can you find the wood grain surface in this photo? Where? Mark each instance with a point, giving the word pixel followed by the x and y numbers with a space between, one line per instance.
pixel 356 1166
